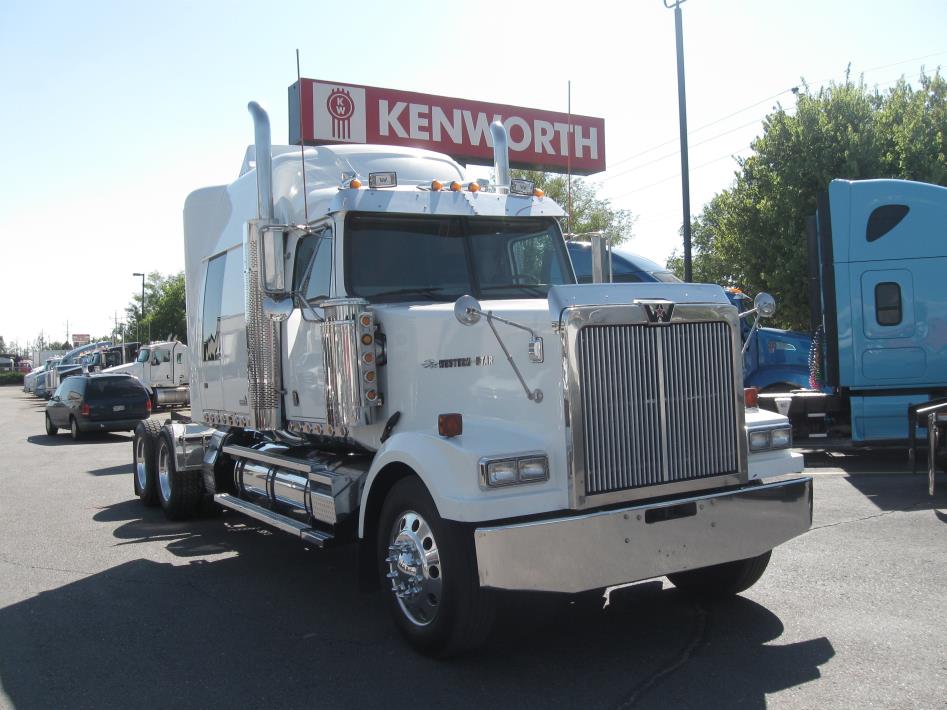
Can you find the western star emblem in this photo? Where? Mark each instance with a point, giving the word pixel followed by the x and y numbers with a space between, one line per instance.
pixel 657 311
pixel 341 107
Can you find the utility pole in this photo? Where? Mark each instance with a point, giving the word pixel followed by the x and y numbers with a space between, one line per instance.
pixel 142 316
pixel 682 110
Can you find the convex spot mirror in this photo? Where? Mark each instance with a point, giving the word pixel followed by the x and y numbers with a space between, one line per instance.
pixel 466 310
pixel 764 304
pixel 277 309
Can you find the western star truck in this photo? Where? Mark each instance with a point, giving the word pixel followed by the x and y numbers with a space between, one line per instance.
pixel 877 262
pixel 391 356
pixel 164 369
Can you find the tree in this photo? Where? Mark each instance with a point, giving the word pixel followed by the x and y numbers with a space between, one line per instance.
pixel 589 212
pixel 164 309
pixel 753 234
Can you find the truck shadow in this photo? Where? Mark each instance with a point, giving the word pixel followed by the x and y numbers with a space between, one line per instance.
pixel 265 622
pixel 111 470
pixel 901 492
pixel 90 438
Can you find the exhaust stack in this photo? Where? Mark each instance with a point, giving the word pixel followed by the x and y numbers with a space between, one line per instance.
pixel 264 160
pixel 264 376
pixel 501 156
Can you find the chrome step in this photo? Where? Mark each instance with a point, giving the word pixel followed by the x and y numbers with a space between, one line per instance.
pixel 312 536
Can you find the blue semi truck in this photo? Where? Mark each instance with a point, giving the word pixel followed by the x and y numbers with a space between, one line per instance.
pixel 878 299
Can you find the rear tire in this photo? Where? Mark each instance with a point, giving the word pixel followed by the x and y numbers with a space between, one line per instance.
pixel 179 492
pixel 428 570
pixel 145 461
pixel 50 429
pixel 724 580
pixel 74 429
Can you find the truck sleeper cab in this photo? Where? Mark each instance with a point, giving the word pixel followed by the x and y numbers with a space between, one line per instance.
pixel 414 368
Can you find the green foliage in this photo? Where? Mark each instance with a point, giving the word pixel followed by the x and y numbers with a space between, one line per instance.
pixel 11 378
pixel 753 234
pixel 589 212
pixel 164 309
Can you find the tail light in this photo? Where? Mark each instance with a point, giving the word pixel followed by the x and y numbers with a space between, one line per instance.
pixel 148 404
pixel 85 410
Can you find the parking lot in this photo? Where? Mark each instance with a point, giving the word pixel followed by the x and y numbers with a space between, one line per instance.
pixel 104 603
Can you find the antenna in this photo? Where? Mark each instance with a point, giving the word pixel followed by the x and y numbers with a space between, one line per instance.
pixel 302 140
pixel 569 155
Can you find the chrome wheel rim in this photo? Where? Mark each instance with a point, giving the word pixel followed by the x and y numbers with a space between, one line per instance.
pixel 414 568
pixel 164 473
pixel 140 463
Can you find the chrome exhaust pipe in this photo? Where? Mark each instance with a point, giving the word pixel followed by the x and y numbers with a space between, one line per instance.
pixel 501 156
pixel 264 161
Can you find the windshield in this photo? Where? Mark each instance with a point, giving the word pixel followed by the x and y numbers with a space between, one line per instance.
pixel 397 258
pixel 143 355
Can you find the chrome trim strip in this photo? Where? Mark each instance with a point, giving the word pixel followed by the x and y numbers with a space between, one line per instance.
pixel 595 550
pixel 272 459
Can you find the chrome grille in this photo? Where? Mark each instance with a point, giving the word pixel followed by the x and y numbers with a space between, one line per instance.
pixel 658 404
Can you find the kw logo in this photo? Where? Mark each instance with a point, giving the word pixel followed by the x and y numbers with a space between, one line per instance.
pixel 341 107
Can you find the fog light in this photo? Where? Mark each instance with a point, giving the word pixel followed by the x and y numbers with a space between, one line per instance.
pixel 533 469
pixel 759 440
pixel 781 438
pixel 501 473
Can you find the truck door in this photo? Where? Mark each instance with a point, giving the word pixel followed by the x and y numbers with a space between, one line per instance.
pixel 161 367
pixel 890 351
pixel 304 365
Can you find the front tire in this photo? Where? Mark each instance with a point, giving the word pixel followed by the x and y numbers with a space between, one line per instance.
pixel 51 429
pixel 179 492
pixel 144 461
pixel 434 592
pixel 724 580
pixel 74 428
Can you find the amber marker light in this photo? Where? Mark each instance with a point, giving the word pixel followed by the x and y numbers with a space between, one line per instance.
pixel 365 320
pixel 367 339
pixel 450 425
pixel 538 193
pixel 474 187
pixel 751 396
pixel 455 186
pixel 368 358
pixel 355 183
pixel 436 186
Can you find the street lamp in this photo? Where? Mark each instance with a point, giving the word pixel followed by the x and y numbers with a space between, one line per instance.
pixel 142 316
pixel 682 110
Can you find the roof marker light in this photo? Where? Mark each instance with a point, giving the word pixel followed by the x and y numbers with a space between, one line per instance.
pixel 436 185
pixel 355 183
pixel 456 186
pixel 474 187
pixel 538 192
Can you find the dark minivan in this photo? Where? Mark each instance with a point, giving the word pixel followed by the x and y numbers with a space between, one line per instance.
pixel 84 403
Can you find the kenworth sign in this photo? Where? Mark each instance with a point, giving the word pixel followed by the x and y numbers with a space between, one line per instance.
pixel 350 113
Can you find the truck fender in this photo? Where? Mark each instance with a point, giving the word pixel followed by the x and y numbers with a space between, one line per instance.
pixel 412 453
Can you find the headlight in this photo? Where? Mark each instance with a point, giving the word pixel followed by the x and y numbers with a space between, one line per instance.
pixel 781 438
pixel 770 439
pixel 509 471
pixel 759 440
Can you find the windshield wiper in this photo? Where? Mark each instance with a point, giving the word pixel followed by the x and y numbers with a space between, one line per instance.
pixel 534 289
pixel 429 291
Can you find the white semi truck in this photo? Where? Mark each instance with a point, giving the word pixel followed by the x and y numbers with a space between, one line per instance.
pixel 164 369
pixel 396 358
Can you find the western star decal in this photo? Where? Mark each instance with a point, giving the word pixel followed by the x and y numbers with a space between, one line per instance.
pixel 477 361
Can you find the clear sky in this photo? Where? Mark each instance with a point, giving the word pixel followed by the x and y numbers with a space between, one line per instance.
pixel 114 111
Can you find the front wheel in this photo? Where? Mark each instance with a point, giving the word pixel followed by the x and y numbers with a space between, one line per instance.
pixel 433 589
pixel 179 492
pixel 51 428
pixel 722 580
pixel 73 428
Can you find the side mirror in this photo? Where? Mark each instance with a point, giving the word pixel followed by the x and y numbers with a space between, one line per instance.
pixel 277 309
pixel 764 304
pixel 272 266
pixel 466 310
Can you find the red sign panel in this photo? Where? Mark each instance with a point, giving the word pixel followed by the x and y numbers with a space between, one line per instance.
pixel 80 339
pixel 539 140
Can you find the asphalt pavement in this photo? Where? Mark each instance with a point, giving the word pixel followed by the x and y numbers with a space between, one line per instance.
pixel 104 603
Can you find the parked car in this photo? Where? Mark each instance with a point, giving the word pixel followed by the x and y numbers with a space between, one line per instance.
pixel 626 267
pixel 84 403
pixel 25 366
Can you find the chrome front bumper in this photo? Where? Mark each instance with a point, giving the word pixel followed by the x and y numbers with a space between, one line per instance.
pixel 595 550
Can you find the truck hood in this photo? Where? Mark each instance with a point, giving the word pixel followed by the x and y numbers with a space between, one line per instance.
pixel 128 368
